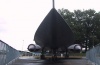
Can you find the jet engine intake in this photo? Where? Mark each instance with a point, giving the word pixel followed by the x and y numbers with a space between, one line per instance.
pixel 34 48
pixel 75 48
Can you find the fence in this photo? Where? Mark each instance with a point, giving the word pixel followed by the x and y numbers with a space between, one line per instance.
pixel 7 53
pixel 94 55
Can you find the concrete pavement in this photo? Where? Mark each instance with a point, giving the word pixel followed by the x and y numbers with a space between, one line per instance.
pixel 33 61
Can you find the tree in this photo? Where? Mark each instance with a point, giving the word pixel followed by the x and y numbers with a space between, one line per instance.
pixel 84 24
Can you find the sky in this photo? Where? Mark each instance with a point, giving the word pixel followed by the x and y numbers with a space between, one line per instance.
pixel 19 19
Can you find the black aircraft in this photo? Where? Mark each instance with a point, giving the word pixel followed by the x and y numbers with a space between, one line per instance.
pixel 53 34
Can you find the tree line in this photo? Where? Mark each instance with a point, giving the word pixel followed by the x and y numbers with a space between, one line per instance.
pixel 85 25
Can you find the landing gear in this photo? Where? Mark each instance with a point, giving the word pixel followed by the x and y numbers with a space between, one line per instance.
pixel 42 54
pixel 54 57
pixel 67 54
pixel 42 57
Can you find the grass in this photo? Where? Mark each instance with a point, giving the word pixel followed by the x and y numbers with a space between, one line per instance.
pixel 77 54
pixel 71 55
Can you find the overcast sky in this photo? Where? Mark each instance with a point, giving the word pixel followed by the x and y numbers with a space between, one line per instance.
pixel 19 19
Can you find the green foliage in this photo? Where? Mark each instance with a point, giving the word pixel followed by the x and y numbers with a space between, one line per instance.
pixel 84 24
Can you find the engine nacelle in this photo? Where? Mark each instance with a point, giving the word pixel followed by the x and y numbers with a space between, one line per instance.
pixel 34 48
pixel 75 48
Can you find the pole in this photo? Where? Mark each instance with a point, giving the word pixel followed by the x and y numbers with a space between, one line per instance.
pixel 22 45
pixel 53 3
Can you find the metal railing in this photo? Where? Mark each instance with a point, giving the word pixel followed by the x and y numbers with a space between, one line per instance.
pixel 94 55
pixel 7 53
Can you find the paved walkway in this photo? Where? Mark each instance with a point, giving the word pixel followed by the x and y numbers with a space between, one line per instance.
pixel 33 61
